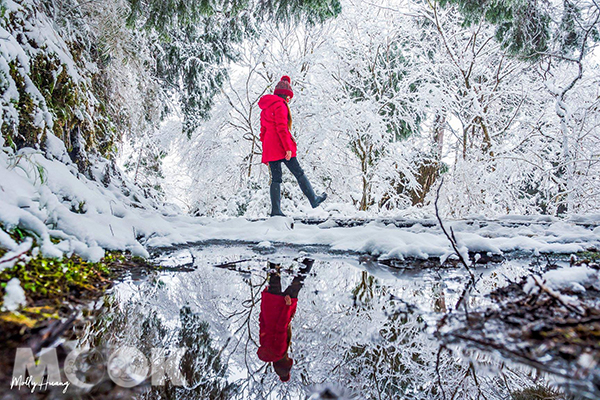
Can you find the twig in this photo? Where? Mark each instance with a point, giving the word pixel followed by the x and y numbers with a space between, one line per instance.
pixel 51 333
pixel 14 257
pixel 556 296
pixel 193 258
pixel 463 296
pixel 231 265
pixel 451 238
pixel 472 368
pixel 459 384
pixel 514 353
pixel 437 370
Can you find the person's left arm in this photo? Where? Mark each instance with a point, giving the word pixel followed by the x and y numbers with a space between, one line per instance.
pixel 281 115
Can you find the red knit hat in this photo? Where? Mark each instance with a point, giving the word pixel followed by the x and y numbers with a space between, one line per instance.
pixel 284 87
pixel 283 367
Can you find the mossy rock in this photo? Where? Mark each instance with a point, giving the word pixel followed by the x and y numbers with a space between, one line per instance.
pixel 27 133
pixel 76 108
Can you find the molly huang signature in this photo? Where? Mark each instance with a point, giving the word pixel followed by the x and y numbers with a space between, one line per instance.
pixel 30 383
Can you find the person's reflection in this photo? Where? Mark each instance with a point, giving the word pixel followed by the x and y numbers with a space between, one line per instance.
pixel 276 312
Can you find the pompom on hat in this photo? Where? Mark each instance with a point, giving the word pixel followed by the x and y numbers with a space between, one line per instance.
pixel 284 87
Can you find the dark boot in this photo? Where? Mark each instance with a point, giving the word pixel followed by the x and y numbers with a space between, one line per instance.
pixel 310 193
pixel 307 266
pixel 276 200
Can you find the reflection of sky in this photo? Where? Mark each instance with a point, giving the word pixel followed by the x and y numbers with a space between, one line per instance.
pixel 330 319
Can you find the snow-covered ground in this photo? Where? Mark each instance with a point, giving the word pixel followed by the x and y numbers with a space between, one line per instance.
pixel 51 200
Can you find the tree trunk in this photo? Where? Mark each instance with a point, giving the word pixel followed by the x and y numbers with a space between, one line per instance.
pixel 438 133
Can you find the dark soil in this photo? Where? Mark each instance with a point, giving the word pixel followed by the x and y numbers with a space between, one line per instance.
pixel 540 328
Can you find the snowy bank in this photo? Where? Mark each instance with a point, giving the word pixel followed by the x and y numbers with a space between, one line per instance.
pixel 70 214
pixel 388 241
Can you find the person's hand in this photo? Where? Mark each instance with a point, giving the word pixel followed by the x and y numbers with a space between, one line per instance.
pixel 288 155
pixel 288 301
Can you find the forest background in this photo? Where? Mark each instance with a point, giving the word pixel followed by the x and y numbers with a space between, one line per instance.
pixel 500 98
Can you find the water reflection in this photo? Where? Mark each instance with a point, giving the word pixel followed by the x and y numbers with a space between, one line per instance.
pixel 360 330
pixel 277 309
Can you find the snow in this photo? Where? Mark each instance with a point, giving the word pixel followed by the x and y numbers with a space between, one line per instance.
pixel 44 197
pixel 56 149
pixel 51 200
pixel 6 242
pixel 16 254
pixel 387 241
pixel 15 296
pixel 566 279
pixel 586 360
pixel 575 279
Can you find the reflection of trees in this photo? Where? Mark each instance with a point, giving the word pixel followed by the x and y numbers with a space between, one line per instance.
pixel 202 366
pixel 366 289
pixel 384 367
pixel 389 367
pixel 403 360
pixel 351 330
pixel 243 320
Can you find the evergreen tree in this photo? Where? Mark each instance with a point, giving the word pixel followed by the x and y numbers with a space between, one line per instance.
pixel 522 26
pixel 530 29
pixel 195 39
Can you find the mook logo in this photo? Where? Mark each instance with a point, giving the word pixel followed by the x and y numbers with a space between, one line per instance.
pixel 125 366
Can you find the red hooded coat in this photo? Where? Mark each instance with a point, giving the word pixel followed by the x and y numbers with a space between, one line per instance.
pixel 274 132
pixel 275 318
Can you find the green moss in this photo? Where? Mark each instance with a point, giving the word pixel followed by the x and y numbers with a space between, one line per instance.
pixel 54 280
pixel 589 255
pixel 49 283
pixel 65 100
pixel 58 90
pixel 537 393
pixel 27 133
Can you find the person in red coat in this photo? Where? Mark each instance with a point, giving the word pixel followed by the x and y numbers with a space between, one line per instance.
pixel 279 145
pixel 277 309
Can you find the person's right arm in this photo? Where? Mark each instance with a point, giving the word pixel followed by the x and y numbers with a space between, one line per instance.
pixel 263 129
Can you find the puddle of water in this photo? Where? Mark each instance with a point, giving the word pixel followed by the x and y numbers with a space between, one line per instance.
pixel 360 329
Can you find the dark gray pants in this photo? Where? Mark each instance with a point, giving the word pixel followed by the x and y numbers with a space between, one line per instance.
pixel 275 189
pixel 297 282
pixel 292 165
pixel 292 290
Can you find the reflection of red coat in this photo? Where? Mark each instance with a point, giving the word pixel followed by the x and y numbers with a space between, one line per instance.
pixel 274 133
pixel 275 318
